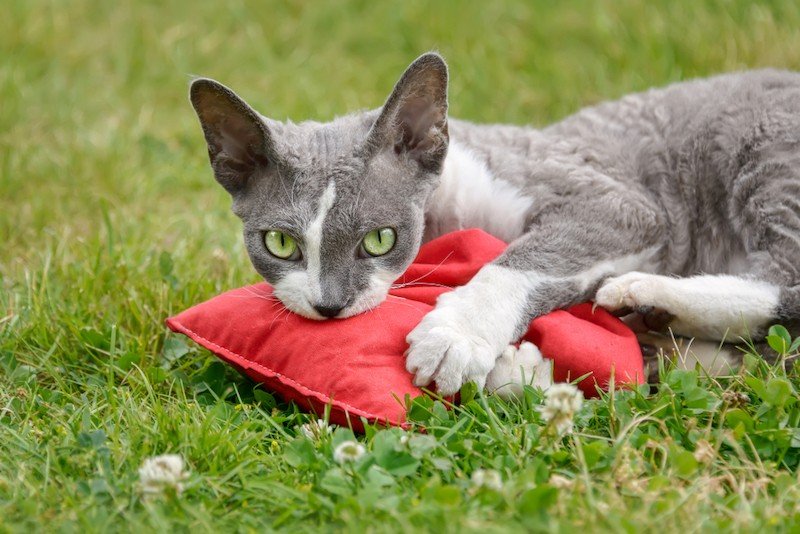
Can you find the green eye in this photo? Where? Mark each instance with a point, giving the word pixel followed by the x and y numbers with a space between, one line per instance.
pixel 379 242
pixel 281 245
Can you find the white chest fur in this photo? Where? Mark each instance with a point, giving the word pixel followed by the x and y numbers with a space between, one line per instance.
pixel 469 196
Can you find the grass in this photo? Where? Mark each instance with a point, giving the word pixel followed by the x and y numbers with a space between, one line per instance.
pixel 110 221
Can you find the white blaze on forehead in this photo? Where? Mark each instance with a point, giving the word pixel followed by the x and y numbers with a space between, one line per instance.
pixel 313 239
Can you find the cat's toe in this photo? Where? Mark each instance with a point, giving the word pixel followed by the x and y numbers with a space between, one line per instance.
pixel 517 367
pixel 628 291
pixel 450 358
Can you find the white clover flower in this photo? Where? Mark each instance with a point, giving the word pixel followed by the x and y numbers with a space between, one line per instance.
pixel 162 472
pixel 561 482
pixel 487 478
pixel 315 430
pixel 736 398
pixel 704 452
pixel 404 439
pixel 348 451
pixel 561 401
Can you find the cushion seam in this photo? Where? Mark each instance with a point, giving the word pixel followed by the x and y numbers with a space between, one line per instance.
pixel 283 378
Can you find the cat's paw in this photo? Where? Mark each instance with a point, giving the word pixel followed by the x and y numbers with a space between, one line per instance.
pixel 636 291
pixel 517 367
pixel 462 337
pixel 444 348
pixel 647 295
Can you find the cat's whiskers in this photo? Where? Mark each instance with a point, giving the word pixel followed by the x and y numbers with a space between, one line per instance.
pixel 254 293
pixel 417 279
pixel 283 313
pixel 402 302
pixel 357 203
pixel 414 284
pixel 371 308
pixel 290 193
pixel 259 297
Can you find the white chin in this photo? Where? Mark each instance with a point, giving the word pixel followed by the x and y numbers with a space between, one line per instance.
pixel 308 314
pixel 303 311
pixel 367 302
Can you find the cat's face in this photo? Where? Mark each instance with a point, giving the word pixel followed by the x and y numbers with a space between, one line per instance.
pixel 333 213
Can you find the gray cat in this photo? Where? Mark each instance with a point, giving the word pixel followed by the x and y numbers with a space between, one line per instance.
pixel 683 200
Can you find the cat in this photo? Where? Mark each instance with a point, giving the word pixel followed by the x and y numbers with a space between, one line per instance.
pixel 680 203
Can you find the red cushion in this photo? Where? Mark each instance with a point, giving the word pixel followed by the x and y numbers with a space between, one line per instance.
pixel 357 365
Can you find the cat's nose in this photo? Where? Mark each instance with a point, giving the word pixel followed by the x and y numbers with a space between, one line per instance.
pixel 328 311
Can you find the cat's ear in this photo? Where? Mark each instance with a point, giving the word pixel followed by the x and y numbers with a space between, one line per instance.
pixel 413 120
pixel 239 143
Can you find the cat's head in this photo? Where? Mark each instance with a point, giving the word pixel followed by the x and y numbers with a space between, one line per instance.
pixel 333 213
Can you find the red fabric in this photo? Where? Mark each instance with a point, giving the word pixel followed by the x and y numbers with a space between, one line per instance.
pixel 357 365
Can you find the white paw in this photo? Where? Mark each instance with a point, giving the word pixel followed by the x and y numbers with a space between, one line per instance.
pixel 632 290
pixel 517 367
pixel 448 348
pixel 460 340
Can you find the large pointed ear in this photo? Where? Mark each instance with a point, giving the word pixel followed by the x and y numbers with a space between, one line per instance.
pixel 414 119
pixel 239 143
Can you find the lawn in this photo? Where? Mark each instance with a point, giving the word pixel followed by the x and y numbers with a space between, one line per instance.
pixel 110 221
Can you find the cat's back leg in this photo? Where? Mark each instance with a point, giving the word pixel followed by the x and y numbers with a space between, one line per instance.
pixel 713 307
pixel 764 206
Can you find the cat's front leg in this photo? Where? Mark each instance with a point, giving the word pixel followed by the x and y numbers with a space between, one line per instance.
pixel 554 265
pixel 461 339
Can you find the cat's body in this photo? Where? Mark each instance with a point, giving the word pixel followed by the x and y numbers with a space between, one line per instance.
pixel 699 180
pixel 680 150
